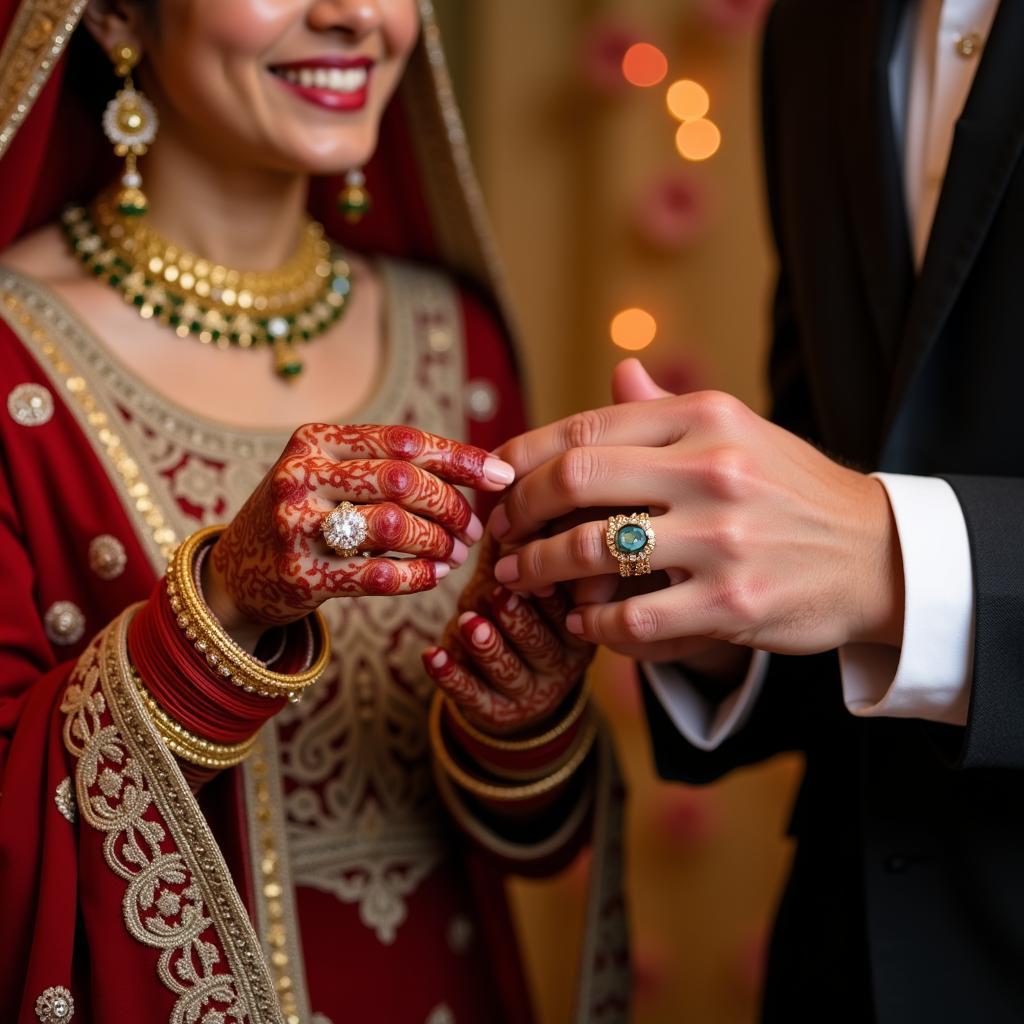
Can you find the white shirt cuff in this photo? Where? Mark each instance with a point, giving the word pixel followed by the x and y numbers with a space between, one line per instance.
pixel 703 723
pixel 930 676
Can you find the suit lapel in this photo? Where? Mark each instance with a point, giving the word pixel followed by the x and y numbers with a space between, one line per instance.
pixel 871 163
pixel 986 148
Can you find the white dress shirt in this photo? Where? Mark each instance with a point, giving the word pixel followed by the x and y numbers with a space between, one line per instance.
pixel 933 65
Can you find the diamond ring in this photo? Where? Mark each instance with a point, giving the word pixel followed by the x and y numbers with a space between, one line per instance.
pixel 630 539
pixel 344 529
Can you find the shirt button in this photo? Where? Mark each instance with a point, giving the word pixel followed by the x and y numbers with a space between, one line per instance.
pixel 896 865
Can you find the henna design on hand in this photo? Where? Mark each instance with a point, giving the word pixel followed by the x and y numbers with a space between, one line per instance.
pixel 537 645
pixel 458 463
pixel 493 681
pixel 492 656
pixel 390 528
pixel 271 567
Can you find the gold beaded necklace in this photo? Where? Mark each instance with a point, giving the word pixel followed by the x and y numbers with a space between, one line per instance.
pixel 219 305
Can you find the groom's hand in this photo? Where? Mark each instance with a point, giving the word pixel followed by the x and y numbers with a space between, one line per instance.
pixel 768 542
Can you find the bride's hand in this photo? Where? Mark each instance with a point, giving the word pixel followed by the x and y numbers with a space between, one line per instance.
pixel 271 565
pixel 509 664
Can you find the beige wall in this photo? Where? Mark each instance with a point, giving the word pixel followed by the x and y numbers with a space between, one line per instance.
pixel 562 168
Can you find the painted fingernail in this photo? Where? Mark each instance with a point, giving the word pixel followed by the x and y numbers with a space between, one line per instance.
pixel 507 569
pixel 475 628
pixel 574 623
pixel 475 530
pixel 505 600
pixel 434 657
pixel 441 569
pixel 498 472
pixel 498 524
pixel 459 553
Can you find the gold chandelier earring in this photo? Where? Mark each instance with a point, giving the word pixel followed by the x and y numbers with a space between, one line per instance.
pixel 354 199
pixel 130 122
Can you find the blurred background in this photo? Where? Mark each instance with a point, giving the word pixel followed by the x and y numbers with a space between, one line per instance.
pixel 617 143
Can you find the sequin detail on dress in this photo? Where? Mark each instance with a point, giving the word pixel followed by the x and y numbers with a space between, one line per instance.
pixel 30 405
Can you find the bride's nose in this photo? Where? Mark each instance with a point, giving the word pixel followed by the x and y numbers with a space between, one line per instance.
pixel 355 18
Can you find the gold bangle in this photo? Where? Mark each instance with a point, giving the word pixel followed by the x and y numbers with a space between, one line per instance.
pixel 187 745
pixel 505 794
pixel 224 656
pixel 530 742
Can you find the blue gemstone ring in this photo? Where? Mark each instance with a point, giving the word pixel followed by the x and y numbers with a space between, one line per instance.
pixel 630 539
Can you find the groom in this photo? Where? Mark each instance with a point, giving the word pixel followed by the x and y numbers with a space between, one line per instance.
pixel 892 605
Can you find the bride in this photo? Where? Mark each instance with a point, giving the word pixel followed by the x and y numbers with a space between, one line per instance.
pixel 254 360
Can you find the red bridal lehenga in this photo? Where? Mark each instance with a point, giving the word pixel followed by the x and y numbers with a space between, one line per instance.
pixel 326 879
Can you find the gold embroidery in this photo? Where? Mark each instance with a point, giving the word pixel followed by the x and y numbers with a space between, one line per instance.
pixel 34 43
pixel 274 891
pixel 27 311
pixel 179 897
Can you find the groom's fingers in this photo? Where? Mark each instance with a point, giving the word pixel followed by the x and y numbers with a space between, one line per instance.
pixel 619 477
pixel 648 423
pixel 632 383
pixel 668 614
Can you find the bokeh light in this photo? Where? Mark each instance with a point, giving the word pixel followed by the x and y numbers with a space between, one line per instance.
pixel 644 65
pixel 698 140
pixel 687 100
pixel 633 329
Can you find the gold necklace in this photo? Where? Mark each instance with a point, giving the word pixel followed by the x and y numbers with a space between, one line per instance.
pixel 219 305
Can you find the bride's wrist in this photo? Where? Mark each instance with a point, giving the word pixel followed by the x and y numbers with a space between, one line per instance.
pixel 213 588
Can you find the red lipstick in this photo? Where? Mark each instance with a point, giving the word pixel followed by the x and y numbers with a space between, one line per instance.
pixel 333 82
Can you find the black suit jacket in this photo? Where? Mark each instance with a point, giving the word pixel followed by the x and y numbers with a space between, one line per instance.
pixel 906 900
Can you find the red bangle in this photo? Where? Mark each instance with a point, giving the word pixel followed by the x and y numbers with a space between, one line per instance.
pixel 520 758
pixel 183 684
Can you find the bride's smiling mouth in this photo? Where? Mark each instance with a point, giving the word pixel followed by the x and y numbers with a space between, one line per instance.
pixel 334 83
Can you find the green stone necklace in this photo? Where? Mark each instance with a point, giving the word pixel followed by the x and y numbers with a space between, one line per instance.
pixel 219 305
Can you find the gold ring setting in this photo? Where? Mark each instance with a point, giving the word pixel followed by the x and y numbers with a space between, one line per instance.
pixel 631 541
pixel 344 529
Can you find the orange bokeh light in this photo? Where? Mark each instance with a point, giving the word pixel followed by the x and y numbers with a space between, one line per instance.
pixel 687 100
pixel 697 140
pixel 633 329
pixel 644 65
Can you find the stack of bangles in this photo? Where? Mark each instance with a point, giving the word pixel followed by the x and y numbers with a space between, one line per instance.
pixel 524 771
pixel 232 692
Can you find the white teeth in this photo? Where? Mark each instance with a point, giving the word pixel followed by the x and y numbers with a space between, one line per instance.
pixel 334 79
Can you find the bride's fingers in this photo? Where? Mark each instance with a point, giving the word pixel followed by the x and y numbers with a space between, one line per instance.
pixel 554 605
pixel 459 684
pixel 534 642
pixel 373 481
pixel 389 527
pixel 461 464
pixel 492 655
pixel 372 577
